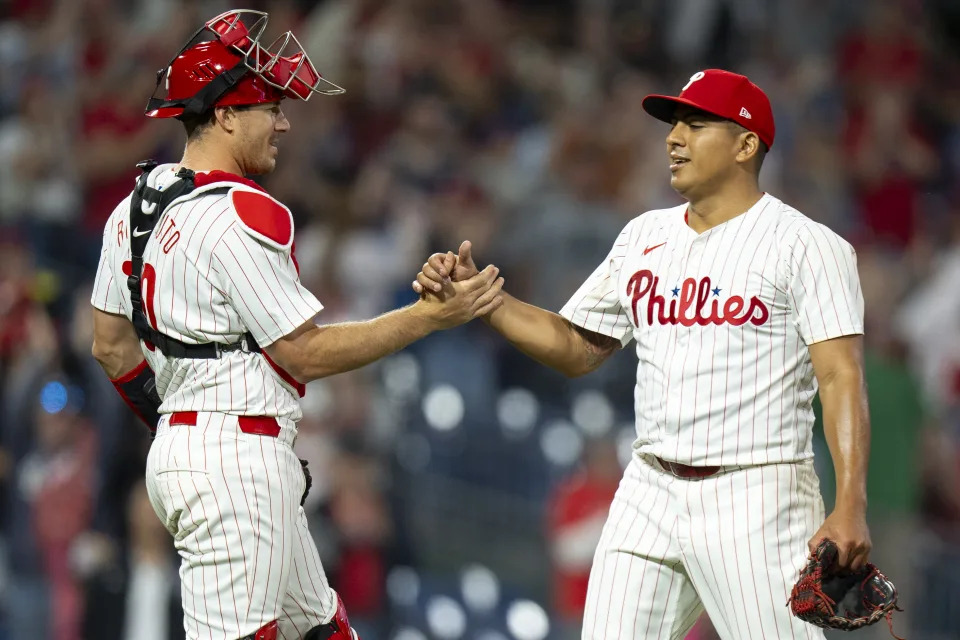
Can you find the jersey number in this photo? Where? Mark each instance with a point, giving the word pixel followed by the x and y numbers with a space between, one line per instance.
pixel 148 287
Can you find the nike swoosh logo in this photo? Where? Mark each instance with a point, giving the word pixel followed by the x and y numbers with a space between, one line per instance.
pixel 137 233
pixel 656 246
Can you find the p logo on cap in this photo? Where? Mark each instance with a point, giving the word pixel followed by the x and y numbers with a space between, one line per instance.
pixel 699 75
pixel 721 93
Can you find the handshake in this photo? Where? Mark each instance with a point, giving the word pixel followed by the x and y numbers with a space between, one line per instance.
pixel 453 291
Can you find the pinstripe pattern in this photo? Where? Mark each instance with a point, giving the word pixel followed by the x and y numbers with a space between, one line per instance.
pixel 599 307
pixel 638 548
pixel 214 282
pixel 231 501
pixel 711 391
pixel 722 321
pixel 731 544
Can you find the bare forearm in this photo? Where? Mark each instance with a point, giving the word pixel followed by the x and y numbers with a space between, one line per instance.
pixel 336 348
pixel 115 344
pixel 545 336
pixel 846 425
pixel 311 352
pixel 118 364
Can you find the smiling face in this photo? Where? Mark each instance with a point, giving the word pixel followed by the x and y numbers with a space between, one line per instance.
pixel 259 128
pixel 705 152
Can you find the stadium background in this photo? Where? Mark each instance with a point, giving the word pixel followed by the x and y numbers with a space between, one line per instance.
pixel 457 484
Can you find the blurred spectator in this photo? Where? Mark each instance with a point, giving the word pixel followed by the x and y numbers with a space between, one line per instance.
pixel 133 593
pixel 153 595
pixel 891 164
pixel 884 50
pixel 37 175
pixel 881 64
pixel 25 333
pixel 516 125
pixel 566 227
pixel 933 309
pixel 53 496
pixel 577 509
pixel 359 513
pixel 115 135
pixel 933 612
pixel 930 324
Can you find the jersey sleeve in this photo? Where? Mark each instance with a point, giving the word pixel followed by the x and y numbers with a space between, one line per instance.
pixel 261 281
pixel 107 294
pixel 824 285
pixel 596 304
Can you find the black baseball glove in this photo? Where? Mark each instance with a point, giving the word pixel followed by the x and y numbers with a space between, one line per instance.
pixel 834 598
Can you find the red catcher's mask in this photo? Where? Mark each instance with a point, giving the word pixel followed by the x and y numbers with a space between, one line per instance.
pixel 224 64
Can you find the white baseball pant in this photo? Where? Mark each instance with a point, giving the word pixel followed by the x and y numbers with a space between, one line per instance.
pixel 732 544
pixel 231 500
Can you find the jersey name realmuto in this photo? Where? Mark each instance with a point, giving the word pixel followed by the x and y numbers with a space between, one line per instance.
pixel 722 322
pixel 209 277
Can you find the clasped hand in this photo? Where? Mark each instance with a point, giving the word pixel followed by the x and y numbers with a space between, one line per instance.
pixel 452 290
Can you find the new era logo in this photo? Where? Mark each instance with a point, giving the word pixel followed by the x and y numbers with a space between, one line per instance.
pixel 745 114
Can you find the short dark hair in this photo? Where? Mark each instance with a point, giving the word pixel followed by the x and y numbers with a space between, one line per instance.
pixel 196 124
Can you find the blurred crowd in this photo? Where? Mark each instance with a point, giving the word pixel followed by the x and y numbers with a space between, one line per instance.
pixel 459 487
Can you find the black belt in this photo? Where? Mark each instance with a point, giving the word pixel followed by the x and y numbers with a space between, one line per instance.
pixel 686 471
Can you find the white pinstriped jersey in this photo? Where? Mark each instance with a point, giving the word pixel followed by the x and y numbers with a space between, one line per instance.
pixel 722 322
pixel 209 277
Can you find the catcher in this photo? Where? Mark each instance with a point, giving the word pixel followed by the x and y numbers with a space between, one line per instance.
pixel 846 599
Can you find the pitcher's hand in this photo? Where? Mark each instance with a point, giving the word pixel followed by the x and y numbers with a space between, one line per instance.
pixel 441 268
pixel 460 302
pixel 849 530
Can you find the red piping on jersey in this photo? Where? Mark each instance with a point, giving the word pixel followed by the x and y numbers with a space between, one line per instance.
pixel 209 177
pixel 289 379
pixel 293 256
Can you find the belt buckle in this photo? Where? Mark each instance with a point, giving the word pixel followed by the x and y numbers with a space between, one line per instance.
pixel 240 345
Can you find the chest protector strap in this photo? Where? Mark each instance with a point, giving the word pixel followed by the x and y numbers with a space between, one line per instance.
pixel 146 208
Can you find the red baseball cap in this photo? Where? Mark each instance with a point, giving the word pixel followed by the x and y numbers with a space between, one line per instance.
pixel 722 93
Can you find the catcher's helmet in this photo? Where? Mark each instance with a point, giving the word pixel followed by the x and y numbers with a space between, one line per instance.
pixel 224 64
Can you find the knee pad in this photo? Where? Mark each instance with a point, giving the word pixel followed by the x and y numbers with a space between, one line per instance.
pixel 337 629
pixel 266 632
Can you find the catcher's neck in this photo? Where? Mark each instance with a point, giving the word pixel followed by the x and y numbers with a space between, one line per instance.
pixel 203 155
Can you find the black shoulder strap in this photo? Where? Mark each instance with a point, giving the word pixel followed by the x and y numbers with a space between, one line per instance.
pixel 146 208
pixel 207 96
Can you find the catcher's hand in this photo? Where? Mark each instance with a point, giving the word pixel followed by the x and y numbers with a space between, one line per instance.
pixel 308 478
pixel 834 598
